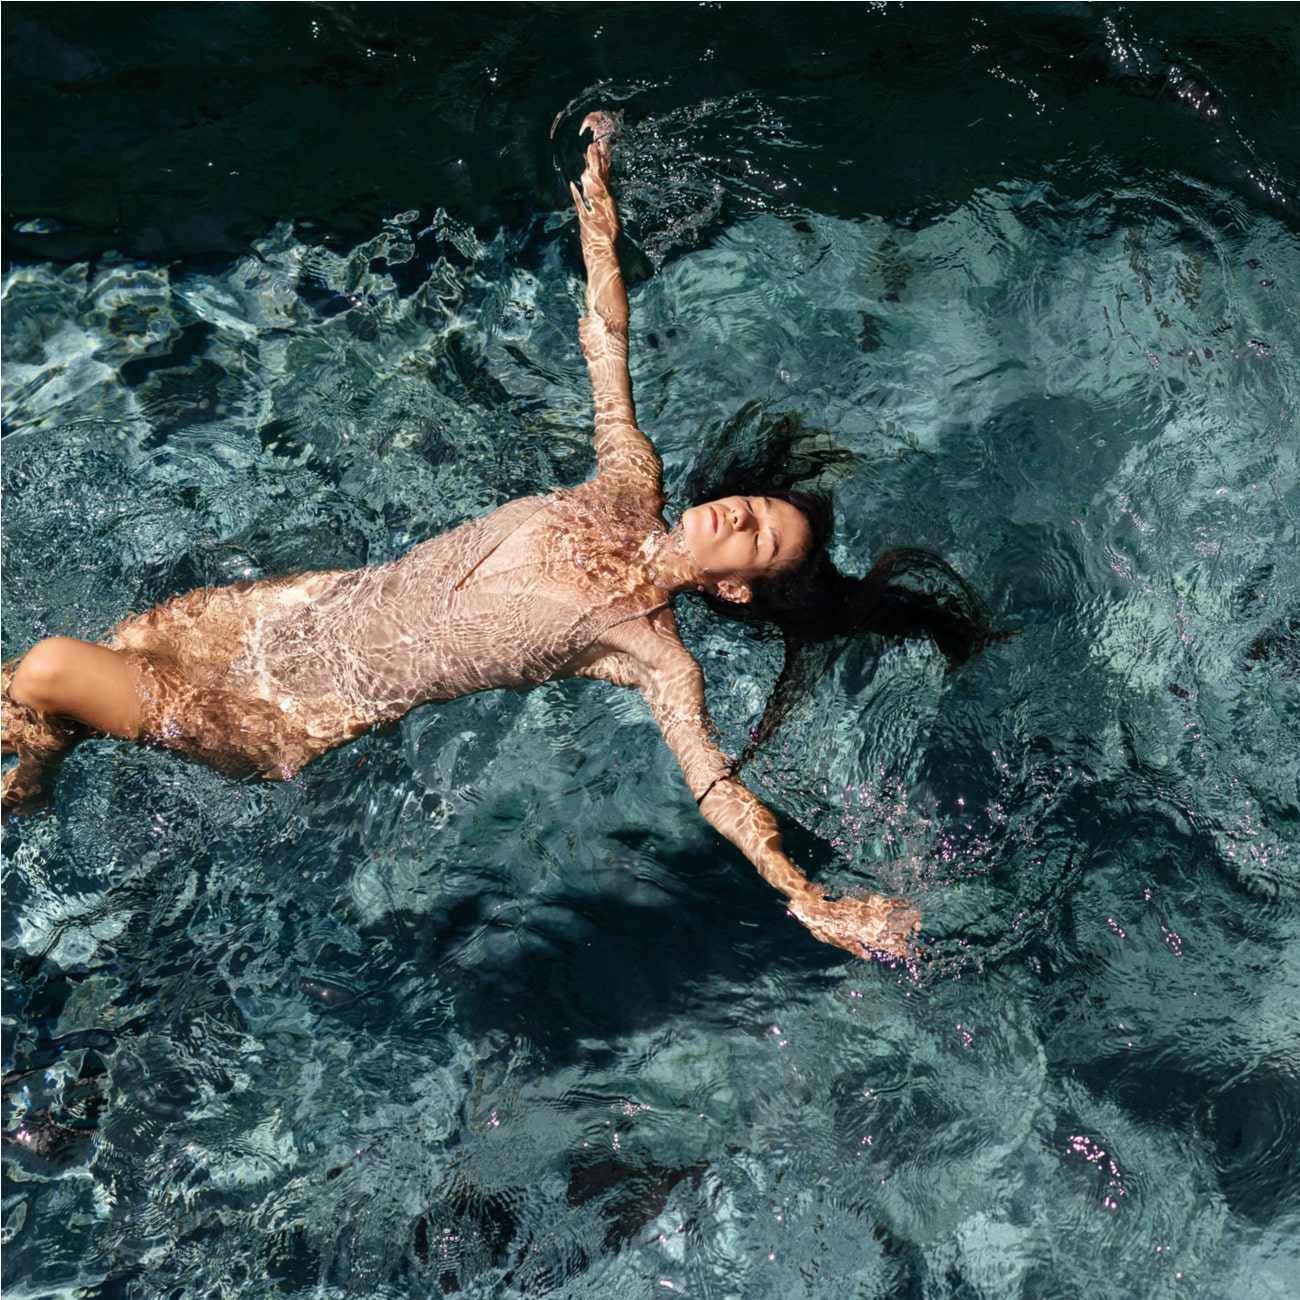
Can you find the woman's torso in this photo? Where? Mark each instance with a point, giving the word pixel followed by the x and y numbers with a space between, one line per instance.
pixel 510 599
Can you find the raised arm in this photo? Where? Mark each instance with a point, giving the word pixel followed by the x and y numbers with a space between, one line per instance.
pixel 648 654
pixel 625 456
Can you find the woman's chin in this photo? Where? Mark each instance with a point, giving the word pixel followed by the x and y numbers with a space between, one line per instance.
pixel 694 525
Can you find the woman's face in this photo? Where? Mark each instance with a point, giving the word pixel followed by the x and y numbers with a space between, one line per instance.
pixel 743 538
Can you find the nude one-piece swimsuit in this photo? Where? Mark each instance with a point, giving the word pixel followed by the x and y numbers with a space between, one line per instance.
pixel 269 675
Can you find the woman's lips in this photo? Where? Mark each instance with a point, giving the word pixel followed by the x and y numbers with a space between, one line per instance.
pixel 713 516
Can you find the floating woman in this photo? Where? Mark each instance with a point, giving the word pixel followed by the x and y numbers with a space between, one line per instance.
pixel 266 676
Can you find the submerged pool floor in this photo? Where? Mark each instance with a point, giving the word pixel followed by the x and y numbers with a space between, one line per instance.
pixel 479 1005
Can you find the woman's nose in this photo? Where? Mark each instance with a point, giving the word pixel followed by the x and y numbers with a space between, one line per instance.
pixel 741 519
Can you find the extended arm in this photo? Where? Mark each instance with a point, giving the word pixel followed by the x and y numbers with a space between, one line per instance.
pixel 648 654
pixel 624 454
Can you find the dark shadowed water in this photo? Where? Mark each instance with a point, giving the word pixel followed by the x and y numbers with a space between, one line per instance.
pixel 479 1006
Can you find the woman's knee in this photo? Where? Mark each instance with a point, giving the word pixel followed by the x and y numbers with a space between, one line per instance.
pixel 43 679
pixel 79 680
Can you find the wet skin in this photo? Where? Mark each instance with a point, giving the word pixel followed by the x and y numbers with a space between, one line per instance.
pixel 741 538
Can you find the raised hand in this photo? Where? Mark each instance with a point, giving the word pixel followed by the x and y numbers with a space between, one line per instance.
pixel 596 207
pixel 603 128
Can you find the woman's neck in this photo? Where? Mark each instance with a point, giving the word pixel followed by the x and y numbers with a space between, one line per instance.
pixel 669 561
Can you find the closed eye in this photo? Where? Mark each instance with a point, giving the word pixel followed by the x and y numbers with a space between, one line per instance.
pixel 771 529
pixel 774 540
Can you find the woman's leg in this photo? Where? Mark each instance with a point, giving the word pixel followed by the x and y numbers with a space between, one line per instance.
pixel 49 701
pixel 80 681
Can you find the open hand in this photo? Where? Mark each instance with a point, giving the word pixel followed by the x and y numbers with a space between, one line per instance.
pixel 865 927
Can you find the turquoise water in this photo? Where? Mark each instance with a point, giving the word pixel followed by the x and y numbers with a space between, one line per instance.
pixel 479 1006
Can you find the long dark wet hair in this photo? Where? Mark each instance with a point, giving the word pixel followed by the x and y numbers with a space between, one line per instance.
pixel 909 592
